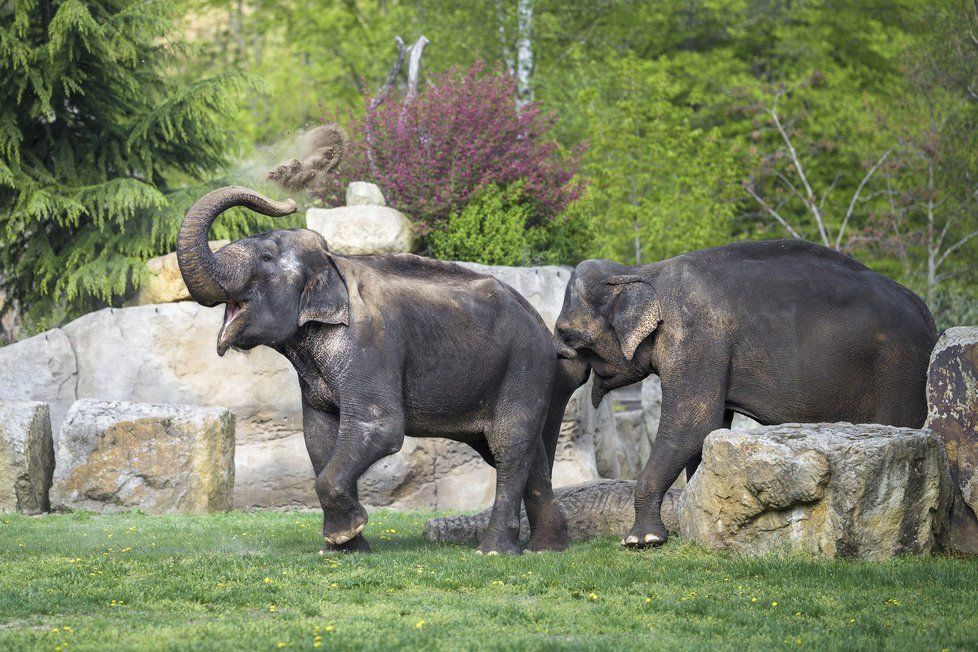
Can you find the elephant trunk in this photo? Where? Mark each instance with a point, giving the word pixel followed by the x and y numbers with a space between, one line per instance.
pixel 209 277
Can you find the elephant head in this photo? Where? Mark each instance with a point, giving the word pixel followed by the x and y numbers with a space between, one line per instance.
pixel 272 283
pixel 609 311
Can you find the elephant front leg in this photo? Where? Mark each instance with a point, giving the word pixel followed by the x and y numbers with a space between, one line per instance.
pixel 319 430
pixel 687 418
pixel 360 443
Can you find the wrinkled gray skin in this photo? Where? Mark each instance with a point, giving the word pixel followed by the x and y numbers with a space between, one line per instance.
pixel 387 346
pixel 780 331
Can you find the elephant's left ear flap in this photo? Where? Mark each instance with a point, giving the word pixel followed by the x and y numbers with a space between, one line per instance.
pixel 325 299
pixel 635 312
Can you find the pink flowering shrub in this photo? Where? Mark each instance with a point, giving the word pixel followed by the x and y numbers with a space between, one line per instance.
pixel 461 134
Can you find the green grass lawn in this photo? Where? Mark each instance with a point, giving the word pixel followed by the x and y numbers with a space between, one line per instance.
pixel 255 581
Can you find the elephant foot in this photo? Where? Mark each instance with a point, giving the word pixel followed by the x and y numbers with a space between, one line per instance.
pixel 341 528
pixel 550 536
pixel 498 545
pixel 356 544
pixel 645 536
pixel 548 542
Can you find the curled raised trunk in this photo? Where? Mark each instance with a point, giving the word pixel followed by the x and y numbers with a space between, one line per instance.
pixel 208 276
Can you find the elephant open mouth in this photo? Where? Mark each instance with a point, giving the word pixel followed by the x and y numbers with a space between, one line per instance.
pixel 232 325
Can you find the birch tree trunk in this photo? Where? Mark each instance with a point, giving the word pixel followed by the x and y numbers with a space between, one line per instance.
pixel 524 52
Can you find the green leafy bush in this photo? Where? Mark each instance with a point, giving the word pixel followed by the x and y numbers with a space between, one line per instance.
pixel 496 228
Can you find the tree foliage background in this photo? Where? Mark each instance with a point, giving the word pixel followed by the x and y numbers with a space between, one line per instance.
pixel 875 104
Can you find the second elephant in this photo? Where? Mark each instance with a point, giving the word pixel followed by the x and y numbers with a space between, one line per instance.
pixel 780 331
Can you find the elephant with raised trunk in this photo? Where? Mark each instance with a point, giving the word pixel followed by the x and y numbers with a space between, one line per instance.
pixel 780 331
pixel 387 346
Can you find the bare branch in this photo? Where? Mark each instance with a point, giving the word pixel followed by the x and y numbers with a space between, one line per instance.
pixel 825 195
pixel 947 226
pixel 855 195
pixel 786 181
pixel 378 99
pixel 414 68
pixel 810 199
pixel 391 76
pixel 771 211
pixel 957 245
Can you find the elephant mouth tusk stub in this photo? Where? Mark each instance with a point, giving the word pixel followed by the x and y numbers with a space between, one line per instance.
pixel 232 311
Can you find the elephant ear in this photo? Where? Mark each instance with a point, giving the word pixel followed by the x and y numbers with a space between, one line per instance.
pixel 635 312
pixel 326 298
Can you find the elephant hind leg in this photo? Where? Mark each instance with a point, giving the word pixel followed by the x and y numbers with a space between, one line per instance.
pixel 514 441
pixel 548 527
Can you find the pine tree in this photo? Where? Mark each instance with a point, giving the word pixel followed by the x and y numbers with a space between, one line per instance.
pixel 98 145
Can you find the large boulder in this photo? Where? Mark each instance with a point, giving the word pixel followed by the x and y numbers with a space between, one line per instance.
pixel 952 397
pixel 163 282
pixel 593 509
pixel 830 489
pixel 362 229
pixel 361 193
pixel 26 456
pixel 115 456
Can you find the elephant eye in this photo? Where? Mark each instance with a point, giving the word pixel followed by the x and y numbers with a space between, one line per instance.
pixel 267 257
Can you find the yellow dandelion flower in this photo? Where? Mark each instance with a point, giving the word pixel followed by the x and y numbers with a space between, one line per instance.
pixel 753 599
pixel 419 624
pixel 648 600
pixel 267 580
pixel 272 608
pixel 329 628
pixel 280 645
pixel 774 604
pixel 593 597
